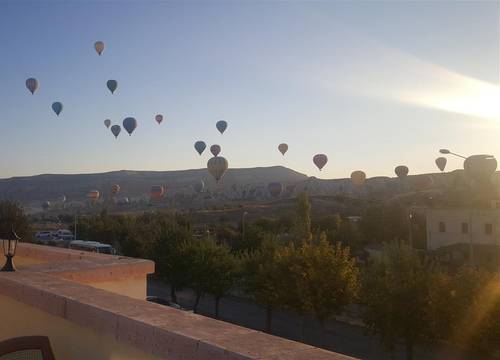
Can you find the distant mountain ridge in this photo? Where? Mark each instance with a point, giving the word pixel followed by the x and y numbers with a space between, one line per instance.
pixel 134 183
pixel 248 184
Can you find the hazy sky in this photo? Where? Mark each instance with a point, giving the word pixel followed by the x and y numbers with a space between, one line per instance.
pixel 371 84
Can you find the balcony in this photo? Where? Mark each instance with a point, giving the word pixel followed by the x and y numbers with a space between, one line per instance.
pixel 92 306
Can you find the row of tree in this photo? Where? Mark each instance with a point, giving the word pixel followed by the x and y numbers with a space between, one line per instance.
pixel 404 297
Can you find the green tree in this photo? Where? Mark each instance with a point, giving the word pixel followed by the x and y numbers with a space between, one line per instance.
pixel 222 265
pixel 169 238
pixel 396 294
pixel 262 278
pixel 212 269
pixel 321 279
pixel 12 217
pixel 302 225
pixel 465 310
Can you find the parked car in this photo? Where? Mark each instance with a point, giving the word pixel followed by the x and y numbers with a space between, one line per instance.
pixel 43 237
pixel 162 301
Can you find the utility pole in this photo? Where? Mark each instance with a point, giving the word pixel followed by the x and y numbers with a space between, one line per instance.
pixel 410 227
pixel 471 241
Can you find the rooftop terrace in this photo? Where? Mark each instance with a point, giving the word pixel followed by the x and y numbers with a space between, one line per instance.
pixel 93 305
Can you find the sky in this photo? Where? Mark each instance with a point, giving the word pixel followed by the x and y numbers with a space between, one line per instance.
pixel 370 84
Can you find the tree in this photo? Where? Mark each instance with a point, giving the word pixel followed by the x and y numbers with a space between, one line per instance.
pixel 396 294
pixel 212 269
pixel 169 239
pixel 222 266
pixel 262 277
pixel 465 309
pixel 330 276
pixel 321 278
pixel 302 225
pixel 12 217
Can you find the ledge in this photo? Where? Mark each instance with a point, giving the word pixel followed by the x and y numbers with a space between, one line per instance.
pixel 83 266
pixel 55 287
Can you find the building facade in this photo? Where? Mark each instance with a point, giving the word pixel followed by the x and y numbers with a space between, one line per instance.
pixel 447 227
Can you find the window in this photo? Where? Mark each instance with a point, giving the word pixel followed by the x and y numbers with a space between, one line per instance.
pixel 488 229
pixel 465 228
pixel 442 227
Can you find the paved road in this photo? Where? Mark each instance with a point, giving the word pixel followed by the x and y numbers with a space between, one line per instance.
pixel 337 336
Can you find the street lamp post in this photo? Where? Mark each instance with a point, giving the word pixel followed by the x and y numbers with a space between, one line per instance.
pixel 448 152
pixel 9 250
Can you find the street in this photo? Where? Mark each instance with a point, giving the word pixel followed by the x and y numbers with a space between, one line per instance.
pixel 337 336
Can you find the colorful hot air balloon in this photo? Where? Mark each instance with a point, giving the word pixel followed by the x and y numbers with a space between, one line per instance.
pixel 157 192
pixel 283 148
pixel 99 47
pixel 115 129
pixel 115 189
pixel 441 163
pixel 199 186
pixel 32 85
pixel 200 146
pixel 480 168
pixel 93 195
pixel 221 125
pixel 215 150
pixel 320 160
pixel 159 118
pixel 217 167
pixel 112 85
pixel 401 171
pixel 275 189
pixel 107 123
pixel 130 124
pixel 57 107
pixel 358 177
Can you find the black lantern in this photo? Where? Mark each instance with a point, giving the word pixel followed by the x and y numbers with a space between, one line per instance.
pixel 9 250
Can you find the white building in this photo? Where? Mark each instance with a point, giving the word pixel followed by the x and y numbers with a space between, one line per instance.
pixel 462 226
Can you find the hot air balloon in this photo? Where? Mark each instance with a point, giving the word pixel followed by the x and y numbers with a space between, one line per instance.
pixel 217 167
pixel 107 123
pixel 215 150
pixel 199 186
pixel 441 163
pixel 480 168
pixel 93 195
pixel 200 146
pixel 275 189
pixel 221 125
pixel 358 177
pixel 99 47
pixel 157 192
pixel 112 85
pixel 115 189
pixel 159 118
pixel 32 85
pixel 401 171
pixel 320 160
pixel 283 148
pixel 57 107
pixel 130 124
pixel 46 205
pixel 115 129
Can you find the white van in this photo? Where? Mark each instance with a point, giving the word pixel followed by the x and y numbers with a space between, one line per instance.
pixel 92 246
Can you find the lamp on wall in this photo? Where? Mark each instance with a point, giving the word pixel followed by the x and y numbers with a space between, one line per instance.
pixel 9 250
